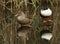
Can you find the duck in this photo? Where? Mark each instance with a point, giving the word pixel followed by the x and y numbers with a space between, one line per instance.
pixel 22 18
pixel 46 12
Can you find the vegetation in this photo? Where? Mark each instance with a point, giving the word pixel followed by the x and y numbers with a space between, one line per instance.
pixel 9 24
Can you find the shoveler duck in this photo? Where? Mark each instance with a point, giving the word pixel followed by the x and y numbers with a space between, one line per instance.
pixel 21 18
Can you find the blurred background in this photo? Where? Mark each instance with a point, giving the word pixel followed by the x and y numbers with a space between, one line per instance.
pixel 9 24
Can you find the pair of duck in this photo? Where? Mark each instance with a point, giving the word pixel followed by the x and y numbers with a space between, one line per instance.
pixel 22 18
pixel 46 12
